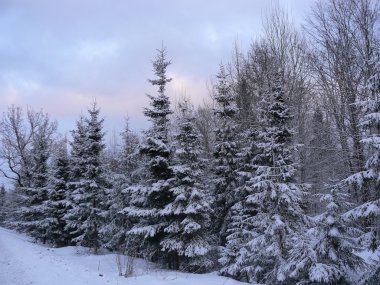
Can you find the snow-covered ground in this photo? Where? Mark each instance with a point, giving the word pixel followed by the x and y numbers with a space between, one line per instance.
pixel 23 262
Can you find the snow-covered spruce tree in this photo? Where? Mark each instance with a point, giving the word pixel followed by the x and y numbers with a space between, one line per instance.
pixel 239 227
pixel 272 210
pixel 367 181
pixel 374 277
pixel 157 146
pixel 234 255
pixel 118 224
pixel 325 254
pixel 114 230
pixel 130 152
pixel 77 169
pixel 188 214
pixel 88 186
pixel 58 204
pixel 225 154
pixel 152 195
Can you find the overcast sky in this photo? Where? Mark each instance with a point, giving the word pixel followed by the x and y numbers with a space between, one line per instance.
pixel 61 55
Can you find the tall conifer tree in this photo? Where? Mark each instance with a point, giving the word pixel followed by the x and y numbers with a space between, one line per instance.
pixel 271 212
pixel 127 174
pixel 326 253
pixel 189 212
pixel 225 154
pixel 58 204
pixel 367 181
pixel 150 198
pixel 88 193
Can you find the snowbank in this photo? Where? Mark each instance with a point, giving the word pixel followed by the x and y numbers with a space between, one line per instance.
pixel 23 262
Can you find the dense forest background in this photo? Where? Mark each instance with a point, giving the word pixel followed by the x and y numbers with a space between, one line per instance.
pixel 276 181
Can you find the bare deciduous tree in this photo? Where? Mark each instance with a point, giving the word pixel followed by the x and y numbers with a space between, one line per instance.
pixel 18 132
pixel 343 36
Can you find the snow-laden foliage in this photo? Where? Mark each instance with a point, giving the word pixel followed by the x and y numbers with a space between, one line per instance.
pixel 326 253
pixel 77 169
pixel 271 213
pixel 114 231
pixel 58 203
pixel 153 195
pixel 130 160
pixel 188 215
pixel 226 179
pixel 225 154
pixel 126 172
pixel 88 183
pixel 367 180
pixel 374 277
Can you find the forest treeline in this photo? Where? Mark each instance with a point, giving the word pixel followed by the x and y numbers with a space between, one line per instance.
pixel 276 181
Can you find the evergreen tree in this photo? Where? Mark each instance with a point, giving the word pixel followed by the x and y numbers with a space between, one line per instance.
pixel 114 231
pixel 188 213
pixel 58 204
pixel 77 169
pixel 374 277
pixel 78 150
pixel 239 228
pixel 272 205
pixel 235 255
pixel 148 199
pixel 130 156
pixel 157 146
pixel 325 254
pixel 225 154
pixel 118 224
pixel 88 193
pixel 367 181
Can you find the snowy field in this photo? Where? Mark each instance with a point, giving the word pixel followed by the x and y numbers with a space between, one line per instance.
pixel 23 262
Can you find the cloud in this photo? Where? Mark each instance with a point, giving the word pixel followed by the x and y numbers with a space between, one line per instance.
pixel 97 51
pixel 60 55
